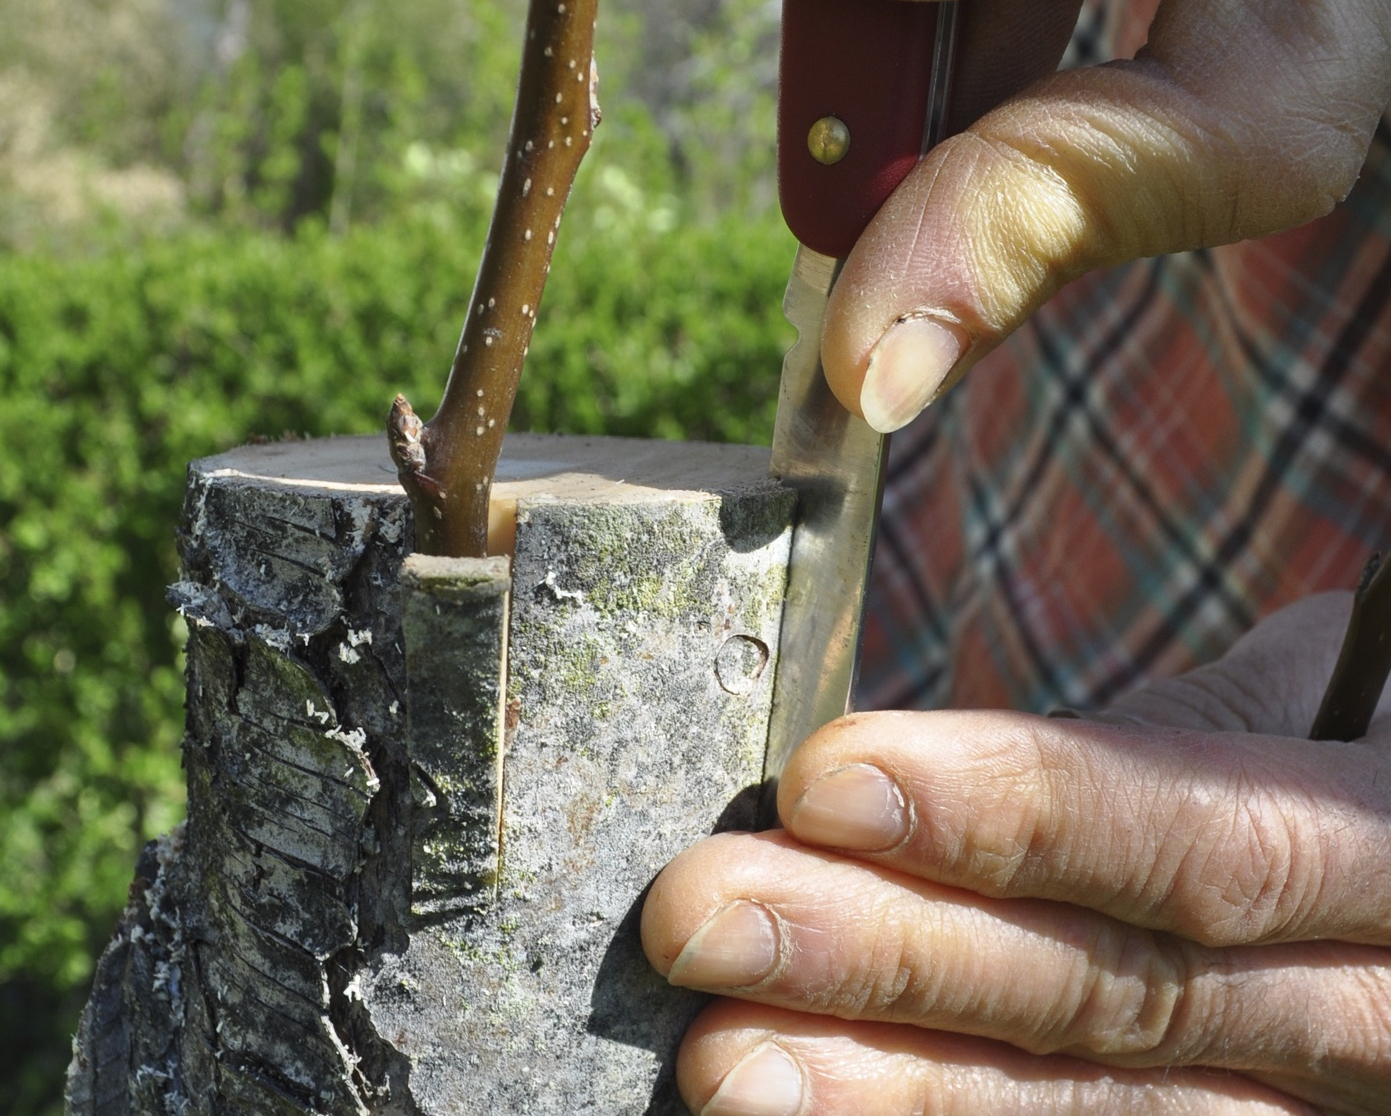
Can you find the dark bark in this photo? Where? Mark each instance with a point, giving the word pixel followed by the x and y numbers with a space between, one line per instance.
pixel 1363 662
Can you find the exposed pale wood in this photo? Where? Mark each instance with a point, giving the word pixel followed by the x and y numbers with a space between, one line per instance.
pixel 534 467
pixel 351 921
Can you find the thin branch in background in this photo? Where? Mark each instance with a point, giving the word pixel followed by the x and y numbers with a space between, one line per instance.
pixel 447 465
pixel 350 115
pixel 1364 662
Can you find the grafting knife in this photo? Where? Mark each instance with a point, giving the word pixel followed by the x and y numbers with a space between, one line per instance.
pixel 863 88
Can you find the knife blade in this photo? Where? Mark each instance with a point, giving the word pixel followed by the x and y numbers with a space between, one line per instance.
pixel 863 91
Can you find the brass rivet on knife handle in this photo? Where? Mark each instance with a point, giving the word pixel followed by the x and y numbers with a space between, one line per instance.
pixel 870 66
pixel 829 140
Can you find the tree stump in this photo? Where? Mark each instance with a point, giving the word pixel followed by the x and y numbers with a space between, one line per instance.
pixel 426 795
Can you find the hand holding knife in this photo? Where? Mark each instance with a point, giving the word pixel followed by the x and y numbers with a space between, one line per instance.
pixel 863 91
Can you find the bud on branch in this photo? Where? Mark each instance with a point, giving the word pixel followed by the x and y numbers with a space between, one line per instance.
pixel 447 464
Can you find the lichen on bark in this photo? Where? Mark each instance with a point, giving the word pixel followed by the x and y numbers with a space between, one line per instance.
pixel 310 941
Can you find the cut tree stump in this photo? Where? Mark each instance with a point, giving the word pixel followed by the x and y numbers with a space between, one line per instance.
pixel 426 795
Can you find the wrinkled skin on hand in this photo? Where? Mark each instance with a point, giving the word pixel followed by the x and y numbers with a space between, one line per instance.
pixel 1179 906
pixel 1240 118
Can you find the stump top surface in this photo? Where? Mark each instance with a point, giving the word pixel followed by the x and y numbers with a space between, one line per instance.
pixel 533 466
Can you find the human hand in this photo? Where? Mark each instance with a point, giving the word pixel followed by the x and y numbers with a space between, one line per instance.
pixel 1239 119
pixel 1181 907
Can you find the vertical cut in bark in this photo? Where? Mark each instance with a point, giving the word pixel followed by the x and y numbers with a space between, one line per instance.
pixel 409 883
pixel 447 464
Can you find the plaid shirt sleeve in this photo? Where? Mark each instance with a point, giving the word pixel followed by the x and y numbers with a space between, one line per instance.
pixel 1165 453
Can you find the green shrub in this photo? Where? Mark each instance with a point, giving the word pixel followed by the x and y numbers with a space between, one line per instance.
pixel 119 365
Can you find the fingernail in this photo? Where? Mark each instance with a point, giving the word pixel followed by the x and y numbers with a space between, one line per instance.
pixel 907 369
pixel 857 807
pixel 766 1083
pixel 738 946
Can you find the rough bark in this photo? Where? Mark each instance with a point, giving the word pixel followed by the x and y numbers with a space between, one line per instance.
pixel 409 883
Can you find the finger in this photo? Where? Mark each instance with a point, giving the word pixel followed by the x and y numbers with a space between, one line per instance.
pixel 757 916
pixel 1239 119
pixel 1223 838
pixel 1070 792
pixel 742 1059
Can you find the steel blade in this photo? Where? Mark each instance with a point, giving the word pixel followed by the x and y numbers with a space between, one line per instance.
pixel 835 462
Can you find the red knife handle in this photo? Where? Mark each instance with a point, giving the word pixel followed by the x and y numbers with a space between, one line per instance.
pixel 867 64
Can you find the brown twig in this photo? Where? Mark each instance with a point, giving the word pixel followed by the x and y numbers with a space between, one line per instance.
pixel 447 464
pixel 1363 662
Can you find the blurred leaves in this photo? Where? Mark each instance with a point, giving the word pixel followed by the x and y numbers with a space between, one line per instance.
pixel 273 112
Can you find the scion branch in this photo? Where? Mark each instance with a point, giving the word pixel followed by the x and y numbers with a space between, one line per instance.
pixel 447 464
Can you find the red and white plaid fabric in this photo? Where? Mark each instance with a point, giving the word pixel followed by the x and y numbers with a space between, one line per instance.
pixel 1166 452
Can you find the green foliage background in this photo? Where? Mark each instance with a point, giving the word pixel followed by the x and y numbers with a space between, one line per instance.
pixel 252 217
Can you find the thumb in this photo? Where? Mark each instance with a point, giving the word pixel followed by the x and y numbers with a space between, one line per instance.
pixel 1239 118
